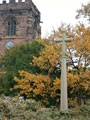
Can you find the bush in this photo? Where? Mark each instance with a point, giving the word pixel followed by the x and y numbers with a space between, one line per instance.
pixel 20 109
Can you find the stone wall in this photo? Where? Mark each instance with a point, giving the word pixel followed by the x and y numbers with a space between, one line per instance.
pixel 27 19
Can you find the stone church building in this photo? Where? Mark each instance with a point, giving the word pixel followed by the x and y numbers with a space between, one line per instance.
pixel 19 22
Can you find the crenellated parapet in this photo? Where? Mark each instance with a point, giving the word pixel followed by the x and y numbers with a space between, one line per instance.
pixel 28 4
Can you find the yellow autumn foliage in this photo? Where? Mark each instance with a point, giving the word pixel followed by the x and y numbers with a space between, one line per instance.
pixel 35 86
pixel 79 82
pixel 46 87
pixel 48 58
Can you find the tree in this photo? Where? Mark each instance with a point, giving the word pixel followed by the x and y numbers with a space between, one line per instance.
pixel 18 58
pixel 48 58
pixel 42 86
pixel 84 11
pixel 78 53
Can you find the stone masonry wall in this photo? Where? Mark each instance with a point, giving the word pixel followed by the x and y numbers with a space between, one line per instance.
pixel 27 19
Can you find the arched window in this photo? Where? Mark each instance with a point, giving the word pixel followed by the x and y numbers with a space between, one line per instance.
pixel 11 27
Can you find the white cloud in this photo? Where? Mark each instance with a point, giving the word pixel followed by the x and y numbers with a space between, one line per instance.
pixel 53 12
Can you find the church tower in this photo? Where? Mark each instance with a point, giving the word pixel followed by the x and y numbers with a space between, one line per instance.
pixel 19 22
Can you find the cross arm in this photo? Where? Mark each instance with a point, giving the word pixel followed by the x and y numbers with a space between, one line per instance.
pixel 68 40
pixel 58 40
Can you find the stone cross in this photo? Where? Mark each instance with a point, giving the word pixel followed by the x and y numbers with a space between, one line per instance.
pixel 64 101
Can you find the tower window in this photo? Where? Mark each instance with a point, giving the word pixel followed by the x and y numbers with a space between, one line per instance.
pixel 11 27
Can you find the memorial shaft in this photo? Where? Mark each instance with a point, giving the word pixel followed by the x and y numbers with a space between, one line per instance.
pixel 64 102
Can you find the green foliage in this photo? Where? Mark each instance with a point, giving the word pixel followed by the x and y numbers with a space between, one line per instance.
pixel 31 104
pixel 18 58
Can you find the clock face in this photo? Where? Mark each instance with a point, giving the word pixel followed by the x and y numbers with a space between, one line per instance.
pixel 9 45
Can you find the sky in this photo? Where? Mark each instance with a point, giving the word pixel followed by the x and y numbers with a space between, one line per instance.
pixel 54 12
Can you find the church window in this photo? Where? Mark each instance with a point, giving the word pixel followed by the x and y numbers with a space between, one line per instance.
pixel 11 27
